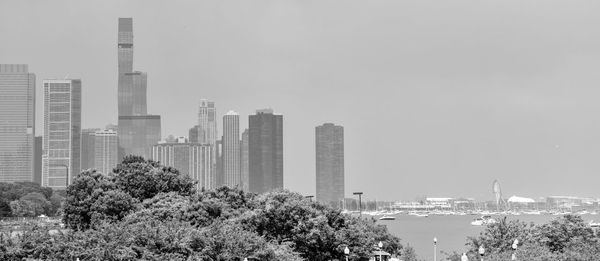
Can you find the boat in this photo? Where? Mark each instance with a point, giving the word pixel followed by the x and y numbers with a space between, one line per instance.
pixel 421 214
pixel 593 224
pixel 483 220
pixel 386 217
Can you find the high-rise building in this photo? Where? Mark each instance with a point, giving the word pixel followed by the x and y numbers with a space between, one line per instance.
pixel 37 170
pixel 193 134
pixel 330 163
pixel 88 140
pixel 137 134
pixel 231 150
pixel 266 151
pixel 207 122
pixel 17 123
pixel 244 160
pixel 192 159
pixel 62 130
pixel 105 150
pixel 138 131
pixel 219 177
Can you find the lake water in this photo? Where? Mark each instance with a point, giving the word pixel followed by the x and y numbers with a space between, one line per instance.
pixel 451 231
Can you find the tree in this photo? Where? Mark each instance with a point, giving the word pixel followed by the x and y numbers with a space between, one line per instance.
pixel 561 232
pixel 143 179
pixel 499 237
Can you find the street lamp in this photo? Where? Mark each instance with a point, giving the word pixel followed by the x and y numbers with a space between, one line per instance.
pixel 309 197
pixel 380 245
pixel 359 202
pixel 464 257
pixel 514 246
pixel 481 251
pixel 347 252
pixel 435 249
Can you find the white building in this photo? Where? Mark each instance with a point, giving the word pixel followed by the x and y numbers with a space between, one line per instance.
pixel 231 150
pixel 106 144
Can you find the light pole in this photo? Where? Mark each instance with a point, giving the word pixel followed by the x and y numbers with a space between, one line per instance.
pixel 380 245
pixel 464 257
pixel 435 249
pixel 514 246
pixel 481 251
pixel 359 202
pixel 347 252
pixel 309 197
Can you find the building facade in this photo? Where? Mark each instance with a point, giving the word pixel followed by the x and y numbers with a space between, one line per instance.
pixel 231 150
pixel 330 163
pixel 138 130
pixel 88 140
pixel 192 159
pixel 62 130
pixel 137 134
pixel 17 123
pixel 244 160
pixel 105 150
pixel 37 170
pixel 265 151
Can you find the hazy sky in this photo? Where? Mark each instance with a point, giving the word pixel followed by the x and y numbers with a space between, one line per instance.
pixel 437 98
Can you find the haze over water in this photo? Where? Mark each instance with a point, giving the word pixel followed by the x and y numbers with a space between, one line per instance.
pixel 437 98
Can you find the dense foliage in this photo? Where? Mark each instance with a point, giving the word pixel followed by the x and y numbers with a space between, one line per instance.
pixel 28 199
pixel 146 211
pixel 566 238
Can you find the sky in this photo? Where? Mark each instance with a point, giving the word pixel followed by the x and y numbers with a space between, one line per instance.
pixel 437 98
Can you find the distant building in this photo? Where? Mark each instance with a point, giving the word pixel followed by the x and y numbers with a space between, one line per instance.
pixel 330 162
pixel 137 134
pixel 62 130
pixel 207 134
pixel 219 178
pixel 112 127
pixel 231 149
pixel 37 173
pixel 137 131
pixel 193 134
pixel 88 139
pixel 244 160
pixel 105 150
pixel 192 159
pixel 265 151
pixel 17 123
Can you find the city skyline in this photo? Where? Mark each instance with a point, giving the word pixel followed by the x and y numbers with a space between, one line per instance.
pixel 471 100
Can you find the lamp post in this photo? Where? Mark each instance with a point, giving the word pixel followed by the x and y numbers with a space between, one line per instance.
pixel 435 249
pixel 481 251
pixel 347 252
pixel 309 197
pixel 380 245
pixel 464 257
pixel 514 246
pixel 359 202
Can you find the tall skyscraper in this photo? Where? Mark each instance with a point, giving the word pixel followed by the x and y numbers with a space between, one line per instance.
pixel 62 130
pixel 191 159
pixel 219 177
pixel 244 160
pixel 105 150
pixel 231 149
pixel 17 123
pixel 37 170
pixel 207 134
pixel 138 131
pixel 330 163
pixel 266 151
pixel 207 122
pixel 88 140
pixel 193 134
pixel 137 134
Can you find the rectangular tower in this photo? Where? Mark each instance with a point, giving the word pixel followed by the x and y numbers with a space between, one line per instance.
pixel 105 150
pixel 244 160
pixel 266 151
pixel 192 159
pixel 330 163
pixel 62 130
pixel 231 150
pixel 88 140
pixel 137 134
pixel 17 123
